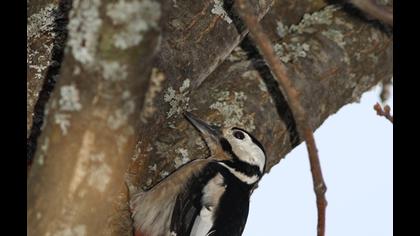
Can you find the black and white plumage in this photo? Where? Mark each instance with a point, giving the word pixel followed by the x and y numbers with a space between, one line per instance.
pixel 206 196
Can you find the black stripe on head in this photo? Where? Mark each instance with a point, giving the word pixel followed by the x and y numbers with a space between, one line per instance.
pixel 245 168
pixel 254 140
pixel 236 163
pixel 228 148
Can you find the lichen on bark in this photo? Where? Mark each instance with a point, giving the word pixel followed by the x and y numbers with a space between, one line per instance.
pixel 92 121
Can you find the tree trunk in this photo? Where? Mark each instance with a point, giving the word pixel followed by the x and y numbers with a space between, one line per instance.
pixel 105 104
pixel 91 125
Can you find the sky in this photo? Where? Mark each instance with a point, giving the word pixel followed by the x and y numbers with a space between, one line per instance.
pixel 356 153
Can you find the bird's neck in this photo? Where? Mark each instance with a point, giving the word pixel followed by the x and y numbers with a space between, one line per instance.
pixel 246 173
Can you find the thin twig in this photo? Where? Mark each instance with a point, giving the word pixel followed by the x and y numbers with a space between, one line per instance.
pixel 370 7
pixel 292 95
pixel 386 112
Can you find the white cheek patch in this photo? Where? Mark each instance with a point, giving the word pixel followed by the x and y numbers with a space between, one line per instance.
pixel 247 151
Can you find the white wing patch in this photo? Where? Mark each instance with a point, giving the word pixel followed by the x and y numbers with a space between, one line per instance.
pixel 210 199
pixel 202 223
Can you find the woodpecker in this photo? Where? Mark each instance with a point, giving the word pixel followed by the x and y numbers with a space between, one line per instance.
pixel 205 197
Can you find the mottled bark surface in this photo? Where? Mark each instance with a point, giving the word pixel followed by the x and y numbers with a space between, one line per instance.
pixel 110 99
pixel 92 117
pixel 46 35
pixel 332 59
pixel 199 35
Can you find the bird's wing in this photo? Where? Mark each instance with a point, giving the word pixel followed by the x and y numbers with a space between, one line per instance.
pixel 192 214
pixel 152 210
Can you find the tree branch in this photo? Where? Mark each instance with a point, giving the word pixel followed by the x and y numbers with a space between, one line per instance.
pixel 386 112
pixel 373 9
pixel 292 95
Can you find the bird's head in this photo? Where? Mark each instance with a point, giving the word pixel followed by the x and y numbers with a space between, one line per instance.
pixel 231 144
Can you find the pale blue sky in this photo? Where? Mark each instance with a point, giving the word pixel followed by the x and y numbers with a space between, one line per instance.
pixel 356 150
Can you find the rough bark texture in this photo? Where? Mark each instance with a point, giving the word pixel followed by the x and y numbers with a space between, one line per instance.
pixel 332 59
pixel 92 117
pixel 199 35
pixel 46 35
pixel 104 93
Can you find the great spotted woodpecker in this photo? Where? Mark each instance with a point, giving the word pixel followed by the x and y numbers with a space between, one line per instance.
pixel 205 197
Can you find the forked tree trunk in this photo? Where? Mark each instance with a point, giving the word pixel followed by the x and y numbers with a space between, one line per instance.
pixel 104 103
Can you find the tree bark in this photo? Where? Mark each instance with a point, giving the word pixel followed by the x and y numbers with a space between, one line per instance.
pixel 332 59
pixel 91 125
pixel 46 35
pixel 104 102
pixel 199 35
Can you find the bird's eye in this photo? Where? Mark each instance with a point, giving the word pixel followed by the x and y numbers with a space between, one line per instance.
pixel 239 135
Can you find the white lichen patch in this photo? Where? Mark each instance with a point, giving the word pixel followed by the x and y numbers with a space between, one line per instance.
pixel 113 71
pixel 99 172
pixel 40 160
pixel 91 168
pixel 161 147
pixel 336 36
pixel 163 174
pixel 184 158
pixel 62 120
pixel 78 230
pixel 281 29
pixel 178 100
pixel 41 24
pixel 126 94
pixel 120 115
pixel 254 75
pixel 232 110
pixel 153 168
pixel 155 86
pixel 200 143
pixel 76 70
pixel 45 145
pixel 358 56
pixel 69 98
pixel 134 18
pixel 121 141
pixel 42 21
pixel 374 58
pixel 309 20
pixel 83 27
pixel 291 51
pixel 148 182
pixel 220 11
pixel 43 148
pixel 238 54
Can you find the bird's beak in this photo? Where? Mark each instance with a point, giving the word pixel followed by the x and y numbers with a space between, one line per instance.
pixel 210 133
pixel 206 129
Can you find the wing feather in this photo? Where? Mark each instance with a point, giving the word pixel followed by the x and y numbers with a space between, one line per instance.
pixel 152 211
pixel 190 204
